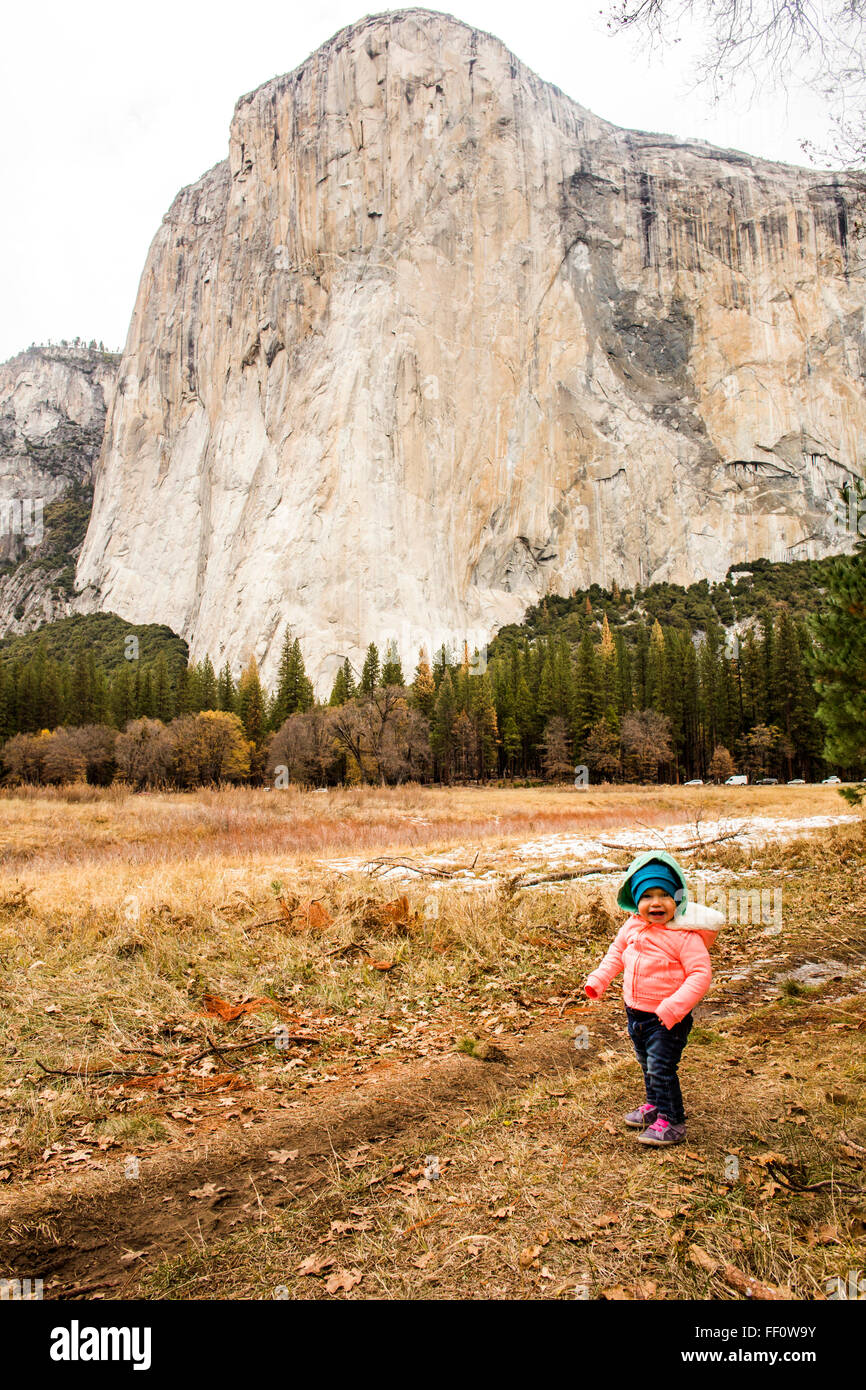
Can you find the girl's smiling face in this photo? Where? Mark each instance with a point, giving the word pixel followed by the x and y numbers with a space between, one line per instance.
pixel 656 906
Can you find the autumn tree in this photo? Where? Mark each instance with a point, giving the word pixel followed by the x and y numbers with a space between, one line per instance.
pixel 646 737
pixel 721 765
pixel 145 753
pixel 601 752
pixel 557 760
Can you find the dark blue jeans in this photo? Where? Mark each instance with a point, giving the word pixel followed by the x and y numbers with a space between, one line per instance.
pixel 659 1050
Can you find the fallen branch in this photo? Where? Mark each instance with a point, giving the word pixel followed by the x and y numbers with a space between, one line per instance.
pixel 52 1071
pixel 681 849
pixel 419 1225
pixel 267 922
pixel 811 1186
pixel 345 950
pixel 218 1048
pixel 376 866
pixel 560 876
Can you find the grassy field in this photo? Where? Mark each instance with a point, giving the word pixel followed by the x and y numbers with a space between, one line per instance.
pixel 151 946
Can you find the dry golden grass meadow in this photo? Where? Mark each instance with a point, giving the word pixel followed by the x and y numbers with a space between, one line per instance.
pixel 240 1059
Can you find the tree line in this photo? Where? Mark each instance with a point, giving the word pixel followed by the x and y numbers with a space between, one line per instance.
pixel 648 703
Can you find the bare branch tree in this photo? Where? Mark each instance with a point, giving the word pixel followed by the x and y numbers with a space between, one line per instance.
pixel 820 42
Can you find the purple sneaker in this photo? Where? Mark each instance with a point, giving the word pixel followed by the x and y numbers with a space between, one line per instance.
pixel 662 1132
pixel 643 1116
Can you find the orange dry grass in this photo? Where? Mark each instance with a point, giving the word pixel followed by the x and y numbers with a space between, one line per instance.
pixel 202 848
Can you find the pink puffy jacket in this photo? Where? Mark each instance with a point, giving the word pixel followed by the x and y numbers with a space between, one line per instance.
pixel 667 971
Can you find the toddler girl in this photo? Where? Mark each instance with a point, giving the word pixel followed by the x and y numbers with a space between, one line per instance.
pixel 667 971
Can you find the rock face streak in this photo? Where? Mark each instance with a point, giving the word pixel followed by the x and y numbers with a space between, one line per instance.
pixel 435 340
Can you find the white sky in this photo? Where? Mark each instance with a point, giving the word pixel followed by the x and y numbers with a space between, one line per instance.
pixel 110 108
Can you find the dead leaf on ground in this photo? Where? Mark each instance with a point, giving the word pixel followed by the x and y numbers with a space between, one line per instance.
pixel 341 1228
pixel 283 1155
pixel 771 1157
pixel 529 1256
pixel 214 1007
pixel 823 1235
pixel 316 1264
pixel 204 1193
pixel 770 1188
pixel 646 1288
pixel 607 1218
pixel 344 1279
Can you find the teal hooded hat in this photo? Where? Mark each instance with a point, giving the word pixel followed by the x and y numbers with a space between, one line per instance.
pixel 625 898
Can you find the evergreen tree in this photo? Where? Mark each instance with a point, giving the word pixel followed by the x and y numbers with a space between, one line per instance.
pixel 656 673
pixel 370 671
pixel 207 698
pixel 144 708
pixel 162 694
pixel 608 701
pixel 838 663
pixel 186 690
pixel 524 713
pixel 344 688
pixel 251 702
pixel 624 697
pixel 442 730
pixel 81 691
pixel 226 693
pixel 120 700
pixel 392 670
pixel 586 709
pixel 423 686
pixel 511 743
pixel 338 692
pixel 294 693
pixel 486 725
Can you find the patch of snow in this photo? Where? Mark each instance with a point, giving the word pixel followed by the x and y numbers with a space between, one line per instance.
pixel 547 853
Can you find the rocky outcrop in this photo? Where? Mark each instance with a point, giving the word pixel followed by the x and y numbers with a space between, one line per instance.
pixel 53 403
pixel 435 340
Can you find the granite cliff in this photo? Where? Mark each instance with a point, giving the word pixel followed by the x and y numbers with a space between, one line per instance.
pixel 53 403
pixel 434 340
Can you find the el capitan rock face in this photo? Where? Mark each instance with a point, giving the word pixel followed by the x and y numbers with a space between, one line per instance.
pixel 435 339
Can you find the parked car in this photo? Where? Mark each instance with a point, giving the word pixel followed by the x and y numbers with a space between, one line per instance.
pixel 768 782
pixel 831 781
pixel 736 781
pixel 695 782
pixel 797 782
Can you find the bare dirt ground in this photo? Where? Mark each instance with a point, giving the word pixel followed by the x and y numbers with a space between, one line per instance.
pixel 216 1165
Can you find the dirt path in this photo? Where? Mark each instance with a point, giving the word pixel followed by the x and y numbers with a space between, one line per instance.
pixel 83 1235
pixel 74 1232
